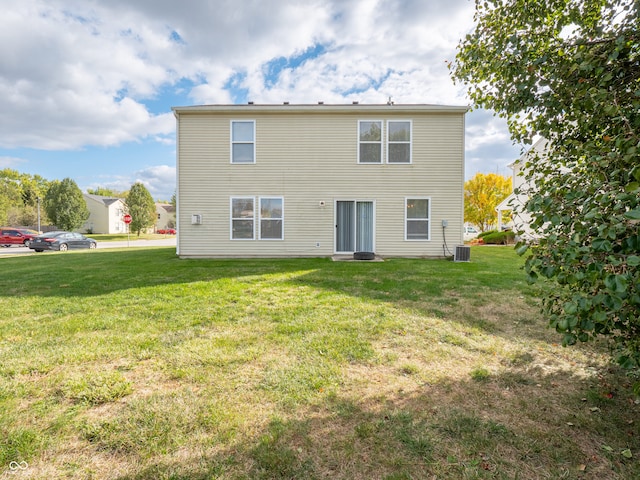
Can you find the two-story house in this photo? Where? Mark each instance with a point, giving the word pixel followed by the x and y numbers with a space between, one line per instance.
pixel 319 180
pixel 105 214
pixel 165 216
pixel 512 207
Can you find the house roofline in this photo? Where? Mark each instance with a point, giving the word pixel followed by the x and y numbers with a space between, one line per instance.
pixel 504 204
pixel 321 108
pixel 522 157
pixel 103 200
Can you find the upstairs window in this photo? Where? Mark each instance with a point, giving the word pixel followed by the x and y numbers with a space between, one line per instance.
pixel 271 219
pixel 399 141
pixel 243 141
pixel 417 218
pixel 369 141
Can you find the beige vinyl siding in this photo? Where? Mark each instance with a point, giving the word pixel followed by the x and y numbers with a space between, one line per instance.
pixel 98 220
pixel 105 216
pixel 308 159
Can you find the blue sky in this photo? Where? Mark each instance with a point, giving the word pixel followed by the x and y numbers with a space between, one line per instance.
pixel 86 87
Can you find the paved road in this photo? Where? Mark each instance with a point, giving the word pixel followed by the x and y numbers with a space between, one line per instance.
pixel 163 242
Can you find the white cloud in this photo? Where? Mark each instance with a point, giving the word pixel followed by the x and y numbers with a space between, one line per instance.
pixel 11 162
pixel 82 73
pixel 159 180
pixel 488 145
pixel 74 76
pixel 483 129
pixel 373 50
pixel 78 73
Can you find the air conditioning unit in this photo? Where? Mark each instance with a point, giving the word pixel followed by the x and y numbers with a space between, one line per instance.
pixel 196 219
pixel 462 254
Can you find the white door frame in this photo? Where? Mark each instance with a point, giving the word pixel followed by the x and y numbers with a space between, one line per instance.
pixel 372 233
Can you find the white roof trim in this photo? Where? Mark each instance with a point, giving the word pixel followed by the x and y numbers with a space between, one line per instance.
pixel 321 108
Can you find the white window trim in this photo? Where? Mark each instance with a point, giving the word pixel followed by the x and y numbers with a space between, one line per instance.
pixel 406 219
pixel 381 141
pixel 410 142
pixel 232 218
pixel 270 197
pixel 231 142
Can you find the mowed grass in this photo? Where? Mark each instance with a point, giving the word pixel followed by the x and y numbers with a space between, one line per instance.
pixel 134 364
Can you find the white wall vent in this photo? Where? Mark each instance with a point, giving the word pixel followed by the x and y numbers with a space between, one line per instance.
pixel 196 219
pixel 463 254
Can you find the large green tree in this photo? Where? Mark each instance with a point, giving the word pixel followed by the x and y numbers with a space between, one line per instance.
pixel 10 195
pixel 569 70
pixel 19 194
pixel 141 207
pixel 65 205
pixel 482 194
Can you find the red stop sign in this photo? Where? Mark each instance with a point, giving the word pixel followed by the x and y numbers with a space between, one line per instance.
pixel 127 219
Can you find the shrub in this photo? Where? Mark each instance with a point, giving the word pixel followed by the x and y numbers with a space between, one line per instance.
pixel 488 232
pixel 499 238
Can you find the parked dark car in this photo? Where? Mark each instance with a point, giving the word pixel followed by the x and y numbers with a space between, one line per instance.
pixel 61 241
pixel 16 236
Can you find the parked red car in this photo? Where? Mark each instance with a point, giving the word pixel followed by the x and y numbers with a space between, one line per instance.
pixel 16 236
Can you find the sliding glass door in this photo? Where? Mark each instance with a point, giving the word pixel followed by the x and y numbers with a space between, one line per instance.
pixel 354 226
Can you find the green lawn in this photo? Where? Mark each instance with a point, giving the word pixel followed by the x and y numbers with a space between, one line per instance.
pixel 138 365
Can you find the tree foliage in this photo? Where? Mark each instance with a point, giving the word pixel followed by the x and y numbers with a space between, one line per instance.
pixel 9 197
pixel 106 192
pixel 141 207
pixel 569 70
pixel 19 193
pixel 65 205
pixel 482 194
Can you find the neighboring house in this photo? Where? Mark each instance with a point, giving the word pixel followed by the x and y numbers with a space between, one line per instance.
pixel 105 215
pixel 520 221
pixel 319 180
pixel 165 216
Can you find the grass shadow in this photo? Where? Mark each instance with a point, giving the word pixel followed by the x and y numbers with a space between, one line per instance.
pixel 142 365
pixel 488 295
pixel 520 423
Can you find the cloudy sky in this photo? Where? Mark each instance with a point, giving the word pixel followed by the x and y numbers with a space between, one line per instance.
pixel 87 86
